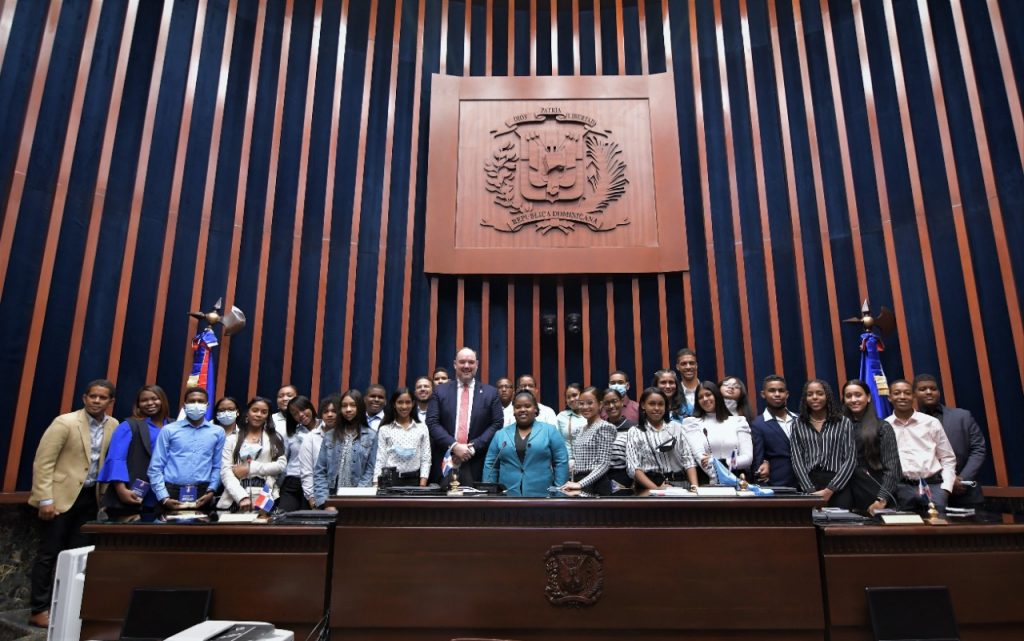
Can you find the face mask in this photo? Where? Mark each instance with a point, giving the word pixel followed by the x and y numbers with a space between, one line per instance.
pixel 195 411
pixel 618 387
pixel 226 417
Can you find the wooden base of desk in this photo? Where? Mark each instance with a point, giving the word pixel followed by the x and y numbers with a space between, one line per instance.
pixel 257 572
pixel 982 565
pixel 641 569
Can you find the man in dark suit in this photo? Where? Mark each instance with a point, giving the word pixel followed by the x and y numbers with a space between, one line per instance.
pixel 964 435
pixel 771 432
pixel 463 414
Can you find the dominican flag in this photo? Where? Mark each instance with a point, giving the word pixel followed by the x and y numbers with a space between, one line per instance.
pixel 923 489
pixel 204 366
pixel 265 501
pixel 446 463
pixel 871 372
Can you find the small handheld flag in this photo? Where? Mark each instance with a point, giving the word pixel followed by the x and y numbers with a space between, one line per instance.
pixel 265 501
pixel 446 463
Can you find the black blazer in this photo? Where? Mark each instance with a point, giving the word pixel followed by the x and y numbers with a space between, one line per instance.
pixel 772 445
pixel 442 417
pixel 967 439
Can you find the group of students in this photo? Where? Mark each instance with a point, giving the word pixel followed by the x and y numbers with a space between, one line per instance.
pixel 601 442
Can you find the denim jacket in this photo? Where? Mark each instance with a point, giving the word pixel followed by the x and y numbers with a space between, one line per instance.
pixel 328 464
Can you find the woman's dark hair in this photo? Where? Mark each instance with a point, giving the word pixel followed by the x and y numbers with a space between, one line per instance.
pixel 866 428
pixel 389 409
pixel 276 442
pixel 742 403
pixel 358 420
pixel 674 402
pixel 641 414
pixel 300 403
pixel 331 400
pixel 721 412
pixel 831 410
pixel 528 394
pixel 575 386
pixel 238 406
pixel 161 416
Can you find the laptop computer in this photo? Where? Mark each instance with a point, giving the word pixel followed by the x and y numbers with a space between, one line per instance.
pixel 155 614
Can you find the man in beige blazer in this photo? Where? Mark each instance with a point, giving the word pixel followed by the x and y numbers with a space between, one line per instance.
pixel 64 489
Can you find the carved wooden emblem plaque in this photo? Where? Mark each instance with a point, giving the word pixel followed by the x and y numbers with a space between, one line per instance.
pixel 554 175
pixel 575 574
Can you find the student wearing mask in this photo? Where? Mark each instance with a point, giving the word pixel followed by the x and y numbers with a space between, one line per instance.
pixel 225 412
pixel 188 453
pixel 619 381
pixel 403 442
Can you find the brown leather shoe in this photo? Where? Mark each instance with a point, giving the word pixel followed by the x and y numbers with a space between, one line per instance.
pixel 40 619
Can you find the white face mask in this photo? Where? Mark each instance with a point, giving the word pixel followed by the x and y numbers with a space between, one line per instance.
pixel 195 411
pixel 227 417
pixel 618 387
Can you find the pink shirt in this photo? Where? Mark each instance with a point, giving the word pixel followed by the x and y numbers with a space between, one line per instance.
pixel 924 448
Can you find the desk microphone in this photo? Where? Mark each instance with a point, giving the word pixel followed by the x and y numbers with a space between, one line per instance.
pixel 496 455
pixel 887 493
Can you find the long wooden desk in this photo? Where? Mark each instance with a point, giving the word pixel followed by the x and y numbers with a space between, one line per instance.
pixel 257 572
pixel 659 568
pixel 982 565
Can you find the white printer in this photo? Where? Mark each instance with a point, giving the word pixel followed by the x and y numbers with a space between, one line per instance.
pixel 233 631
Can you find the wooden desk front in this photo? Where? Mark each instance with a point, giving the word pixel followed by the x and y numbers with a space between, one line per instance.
pixel 257 572
pixel 982 565
pixel 697 568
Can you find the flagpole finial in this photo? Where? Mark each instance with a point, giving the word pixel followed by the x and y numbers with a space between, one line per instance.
pixel 233 321
pixel 885 321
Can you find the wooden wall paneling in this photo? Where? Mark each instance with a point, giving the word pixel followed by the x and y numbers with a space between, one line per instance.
pixel 432 330
pixel 467 24
pixel 12 208
pixel 489 37
pixel 945 123
pixel 553 35
pixel 211 181
pixel 560 329
pixel 27 379
pixel 96 212
pixel 7 8
pixel 609 286
pixel 645 62
pixel 995 207
pixel 510 67
pixel 533 52
pixel 638 352
pixel 485 329
pixel 620 39
pixel 819 194
pixel 357 200
pixel 688 298
pixel 460 311
pixel 510 339
pixel 663 320
pixel 705 190
pixel 759 156
pixel 177 187
pixel 300 195
pixel 598 50
pixel 268 211
pixel 585 329
pixel 883 195
pixel 734 199
pixel 243 181
pixel 576 43
pixel 1005 64
pixel 916 189
pixel 131 238
pixel 410 221
pixel 385 203
pixel 535 364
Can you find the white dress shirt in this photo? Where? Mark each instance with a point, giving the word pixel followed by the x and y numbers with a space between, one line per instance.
pixel 924 448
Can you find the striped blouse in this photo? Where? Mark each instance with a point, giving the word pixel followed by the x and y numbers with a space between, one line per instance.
pixel 642 451
pixel 618 454
pixel 832 450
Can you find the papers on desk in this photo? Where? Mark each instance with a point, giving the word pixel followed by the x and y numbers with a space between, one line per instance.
pixel 240 517
pixel 673 492
pixel 704 490
pixel 902 519
pixel 356 491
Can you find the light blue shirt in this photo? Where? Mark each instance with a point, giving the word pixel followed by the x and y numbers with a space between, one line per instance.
pixel 186 454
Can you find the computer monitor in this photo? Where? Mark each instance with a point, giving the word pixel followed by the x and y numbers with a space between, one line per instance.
pixel 912 614
pixel 158 613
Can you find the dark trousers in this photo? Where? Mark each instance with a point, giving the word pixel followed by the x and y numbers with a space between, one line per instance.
pixel 291 497
pixel 907 493
pixel 64 532
pixel 602 486
pixel 842 498
pixel 865 491
pixel 971 498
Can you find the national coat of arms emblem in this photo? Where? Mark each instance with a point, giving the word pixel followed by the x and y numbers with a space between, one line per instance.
pixel 555 170
pixel 575 574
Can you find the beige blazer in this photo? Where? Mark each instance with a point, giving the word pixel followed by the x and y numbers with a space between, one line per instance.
pixel 62 459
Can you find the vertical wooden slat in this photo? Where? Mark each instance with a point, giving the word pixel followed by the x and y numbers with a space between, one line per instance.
pixel 485 327
pixel 620 39
pixel 410 221
pixel 598 55
pixel 12 208
pixel 666 30
pixel 553 30
pixel 460 305
pixel 883 193
pixel 443 54
pixel 300 195
pixel 691 340
pixel 243 180
pixel 760 159
pixel 268 207
pixel 734 198
pixel 56 217
pixel 131 238
pixel 794 205
pixel 467 24
pixel 385 203
pixel 432 330
pixel 705 190
pixel 177 187
pixel 663 317
pixel 7 8
pixel 211 173
pixel 460 311
pixel 560 329
pixel 510 346
pixel 963 245
pixel 609 293
pixel 645 63
pixel 357 200
pixel 995 207
pixel 510 65
pixel 533 52
pixel 916 190
pixel 638 352
pixel 824 236
pixel 488 38
pixel 1009 79
pixel 96 212
pixel 576 37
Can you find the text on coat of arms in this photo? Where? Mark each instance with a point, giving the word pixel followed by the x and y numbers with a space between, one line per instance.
pixel 554 169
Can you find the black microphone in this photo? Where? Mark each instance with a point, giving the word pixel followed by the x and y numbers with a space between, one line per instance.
pixel 496 455
pixel 887 493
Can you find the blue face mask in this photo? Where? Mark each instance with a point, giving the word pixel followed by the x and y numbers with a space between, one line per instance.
pixel 618 387
pixel 195 411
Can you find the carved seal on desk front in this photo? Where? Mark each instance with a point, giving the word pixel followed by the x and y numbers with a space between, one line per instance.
pixel 575 574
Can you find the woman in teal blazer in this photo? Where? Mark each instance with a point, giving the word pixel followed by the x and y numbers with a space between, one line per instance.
pixel 528 456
